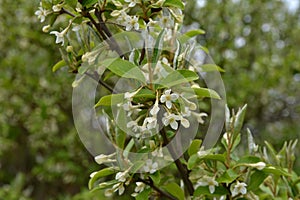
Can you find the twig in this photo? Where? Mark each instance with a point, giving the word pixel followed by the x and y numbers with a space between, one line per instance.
pixel 100 81
pixel 163 193
pixel 183 171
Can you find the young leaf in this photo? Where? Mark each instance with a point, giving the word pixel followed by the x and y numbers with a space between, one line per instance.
pixel 71 3
pixel 174 3
pixel 155 177
pixel 86 3
pixel 276 171
pixel 192 161
pixel 210 68
pixel 239 120
pixel 194 147
pixel 177 77
pixel 124 69
pixel 249 160
pixel 256 179
pixel 174 190
pixel 59 65
pixel 110 100
pixel 158 47
pixel 185 37
pixel 228 177
pixel 143 195
pixel 102 173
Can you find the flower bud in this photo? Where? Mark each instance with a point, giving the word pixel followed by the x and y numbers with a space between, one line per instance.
pixel 46 28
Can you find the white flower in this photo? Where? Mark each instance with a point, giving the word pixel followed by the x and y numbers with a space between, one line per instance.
pixel 155 109
pixel 158 153
pixel 132 23
pixel 100 159
pixel 119 187
pixel 185 123
pixel 238 188
pixel 140 186
pixel 202 152
pixel 122 15
pixel 166 22
pixel 132 3
pixel 200 116
pixel 131 108
pixel 122 176
pixel 167 98
pixel 259 165
pixel 57 8
pixel 186 112
pixel 108 192
pixel 150 122
pixel 59 36
pixel 208 181
pixel 171 119
pixel 151 23
pixel 76 28
pixel 226 138
pixel 46 28
pixel 150 166
pixel 41 13
pixel 134 125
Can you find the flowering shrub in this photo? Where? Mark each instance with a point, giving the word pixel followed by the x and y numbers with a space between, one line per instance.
pixel 152 86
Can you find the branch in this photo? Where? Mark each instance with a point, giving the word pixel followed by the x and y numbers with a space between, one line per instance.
pixel 183 171
pixel 100 81
pixel 163 193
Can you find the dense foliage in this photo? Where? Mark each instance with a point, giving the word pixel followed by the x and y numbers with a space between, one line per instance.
pixel 42 156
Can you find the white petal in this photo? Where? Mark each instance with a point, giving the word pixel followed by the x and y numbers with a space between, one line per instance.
pixel 163 98
pixel 174 125
pixel 185 123
pixel 211 189
pixel 169 104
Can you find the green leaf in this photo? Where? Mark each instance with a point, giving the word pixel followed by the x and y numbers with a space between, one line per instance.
pixel 71 3
pixel 194 147
pixel 256 179
pixel 239 120
pixel 136 166
pixel 120 138
pixel 87 3
pixel 192 161
pixel 144 95
pixel 188 35
pixel 144 194
pixel 174 3
pixel 158 47
pixel 174 190
pixel 109 100
pixel 128 148
pixel 178 77
pixel 155 177
pixel 102 173
pixel 59 65
pixel 249 160
pixel 276 171
pixel 228 176
pixel 217 157
pixel 211 68
pixel 204 190
pixel 205 92
pixel 124 69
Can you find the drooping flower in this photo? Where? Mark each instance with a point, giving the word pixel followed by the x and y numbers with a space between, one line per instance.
pixel 41 13
pixel 150 122
pixel 59 36
pixel 259 165
pixel 155 109
pixel 140 186
pixel 122 176
pixel 199 116
pixel 238 188
pixel 57 8
pixel 208 181
pixel 171 119
pixel 134 125
pixel 100 159
pixel 132 23
pixel 150 166
pixel 119 187
pixel 185 123
pixel 168 98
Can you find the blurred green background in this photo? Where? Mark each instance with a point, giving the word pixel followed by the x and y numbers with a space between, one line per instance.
pixel 41 156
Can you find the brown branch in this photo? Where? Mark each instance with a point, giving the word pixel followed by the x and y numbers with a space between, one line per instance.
pixel 100 81
pixel 162 193
pixel 183 171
